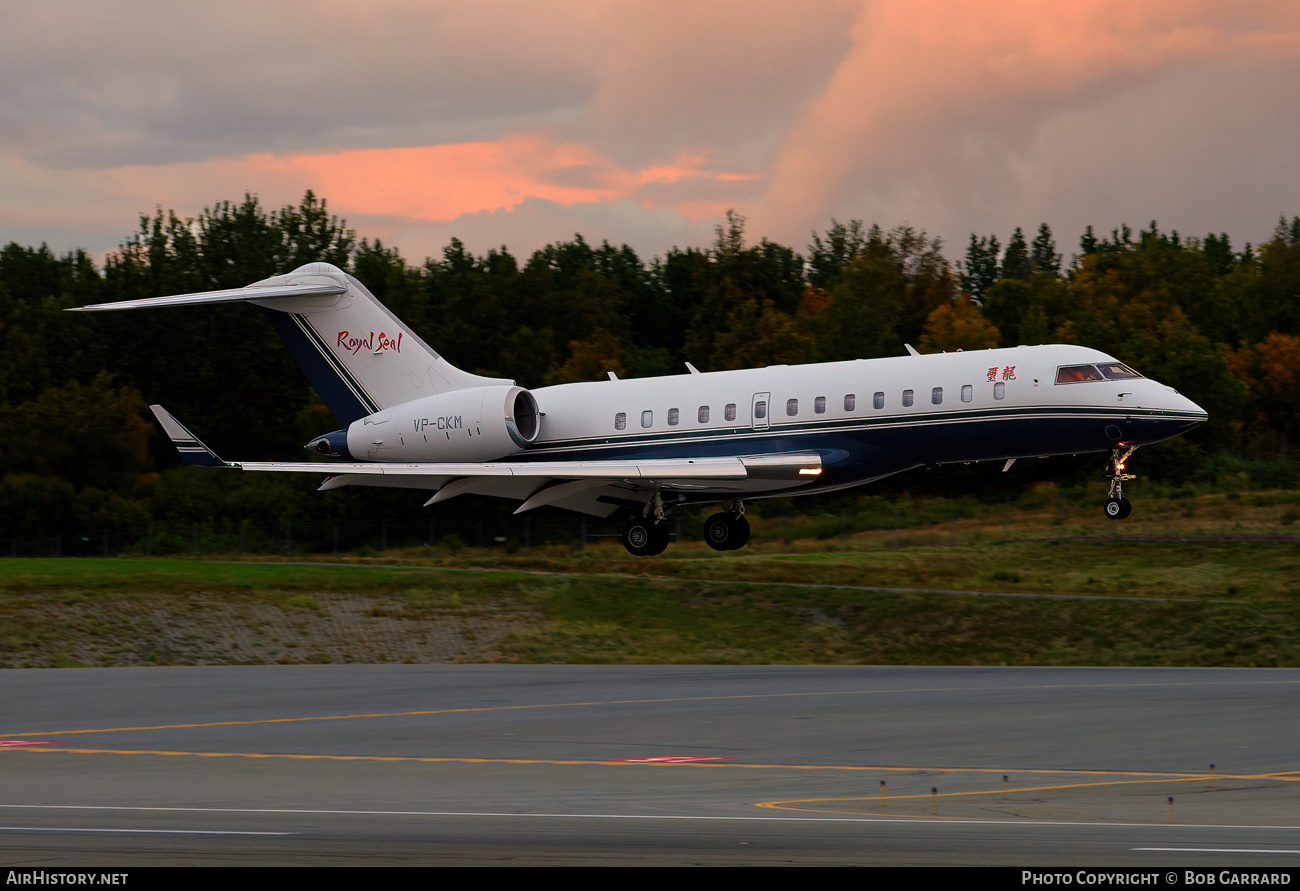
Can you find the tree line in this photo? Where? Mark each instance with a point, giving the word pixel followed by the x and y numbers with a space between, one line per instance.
pixel 77 445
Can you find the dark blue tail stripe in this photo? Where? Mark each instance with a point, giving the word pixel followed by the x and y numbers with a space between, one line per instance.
pixel 346 399
pixel 340 369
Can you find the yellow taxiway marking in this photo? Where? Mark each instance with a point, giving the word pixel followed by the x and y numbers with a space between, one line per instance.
pixel 609 702
pixel 1148 779
pixel 1147 776
pixel 486 708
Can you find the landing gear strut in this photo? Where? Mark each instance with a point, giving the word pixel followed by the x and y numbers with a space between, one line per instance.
pixel 1117 506
pixel 727 530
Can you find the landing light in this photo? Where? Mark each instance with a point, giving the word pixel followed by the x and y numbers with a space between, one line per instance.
pixel 810 471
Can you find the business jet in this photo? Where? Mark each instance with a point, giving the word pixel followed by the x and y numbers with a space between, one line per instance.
pixel 641 448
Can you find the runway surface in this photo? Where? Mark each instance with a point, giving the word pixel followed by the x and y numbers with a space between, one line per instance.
pixel 479 764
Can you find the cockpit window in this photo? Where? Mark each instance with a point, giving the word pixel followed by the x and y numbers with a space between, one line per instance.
pixel 1115 371
pixel 1074 374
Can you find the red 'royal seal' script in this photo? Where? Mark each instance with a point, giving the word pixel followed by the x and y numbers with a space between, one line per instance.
pixel 375 343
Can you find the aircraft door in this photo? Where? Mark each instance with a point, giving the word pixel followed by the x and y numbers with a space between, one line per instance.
pixel 761 410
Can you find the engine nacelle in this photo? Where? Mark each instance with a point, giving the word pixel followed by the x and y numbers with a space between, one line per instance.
pixel 478 424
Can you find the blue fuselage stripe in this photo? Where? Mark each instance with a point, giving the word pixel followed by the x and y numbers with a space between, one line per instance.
pixel 862 451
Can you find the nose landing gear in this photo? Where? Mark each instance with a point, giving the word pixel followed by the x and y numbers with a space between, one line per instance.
pixel 1117 506
pixel 727 530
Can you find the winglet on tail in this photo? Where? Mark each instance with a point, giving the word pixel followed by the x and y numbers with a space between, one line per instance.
pixel 192 451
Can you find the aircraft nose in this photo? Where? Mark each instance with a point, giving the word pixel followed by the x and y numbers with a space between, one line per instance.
pixel 1192 413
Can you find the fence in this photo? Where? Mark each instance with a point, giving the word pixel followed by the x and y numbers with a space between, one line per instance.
pixel 874 522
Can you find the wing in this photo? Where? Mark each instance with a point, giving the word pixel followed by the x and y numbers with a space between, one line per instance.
pixel 598 488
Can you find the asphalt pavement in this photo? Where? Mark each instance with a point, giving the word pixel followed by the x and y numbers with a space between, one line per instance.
pixel 559 764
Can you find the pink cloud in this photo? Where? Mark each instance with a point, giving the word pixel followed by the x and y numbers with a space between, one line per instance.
pixel 442 182
pixel 924 75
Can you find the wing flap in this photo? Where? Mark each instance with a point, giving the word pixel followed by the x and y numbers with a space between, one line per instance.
pixel 653 469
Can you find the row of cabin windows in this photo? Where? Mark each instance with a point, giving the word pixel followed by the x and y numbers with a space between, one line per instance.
pixel 936 395
pixel 819 406
pixel 674 416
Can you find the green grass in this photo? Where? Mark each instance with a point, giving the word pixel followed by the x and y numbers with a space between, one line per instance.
pixel 692 607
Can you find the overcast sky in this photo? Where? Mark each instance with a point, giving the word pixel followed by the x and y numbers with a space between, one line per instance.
pixel 521 123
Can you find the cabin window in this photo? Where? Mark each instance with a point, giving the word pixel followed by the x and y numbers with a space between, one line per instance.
pixel 673 417
pixel 792 407
pixel 1116 371
pixel 999 390
pixel 730 411
pixel 760 410
pixel 819 405
pixel 703 414
pixel 620 421
pixel 907 398
pixel 967 393
pixel 1076 374
pixel 850 402
pixel 936 396
pixel 647 418
pixel 878 400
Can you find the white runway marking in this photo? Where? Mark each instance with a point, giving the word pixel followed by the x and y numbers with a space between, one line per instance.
pixel 152 831
pixel 956 821
pixel 1223 850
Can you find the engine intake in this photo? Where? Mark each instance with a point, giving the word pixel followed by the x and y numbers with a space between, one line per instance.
pixel 478 424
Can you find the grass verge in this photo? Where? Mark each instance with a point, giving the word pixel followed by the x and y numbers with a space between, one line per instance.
pixel 1244 608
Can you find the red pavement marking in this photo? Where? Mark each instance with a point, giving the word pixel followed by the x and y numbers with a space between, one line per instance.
pixel 674 759
pixel 13 743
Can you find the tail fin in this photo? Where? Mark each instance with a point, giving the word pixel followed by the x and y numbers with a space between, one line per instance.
pixel 360 358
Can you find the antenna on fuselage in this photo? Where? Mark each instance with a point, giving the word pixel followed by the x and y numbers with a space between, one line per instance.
pixel 911 349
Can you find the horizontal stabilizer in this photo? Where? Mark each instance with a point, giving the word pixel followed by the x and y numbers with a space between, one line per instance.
pixel 232 295
pixel 192 451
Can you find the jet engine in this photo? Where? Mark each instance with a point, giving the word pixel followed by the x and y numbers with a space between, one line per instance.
pixel 478 424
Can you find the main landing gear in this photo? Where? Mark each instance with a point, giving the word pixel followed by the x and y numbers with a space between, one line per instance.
pixel 1117 506
pixel 727 530
pixel 647 536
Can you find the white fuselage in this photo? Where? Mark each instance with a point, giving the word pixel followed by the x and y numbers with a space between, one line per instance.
pixel 947 390
pixel 866 419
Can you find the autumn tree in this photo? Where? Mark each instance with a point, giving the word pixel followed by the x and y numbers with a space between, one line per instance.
pixel 1271 372
pixel 591 359
pixel 958 325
